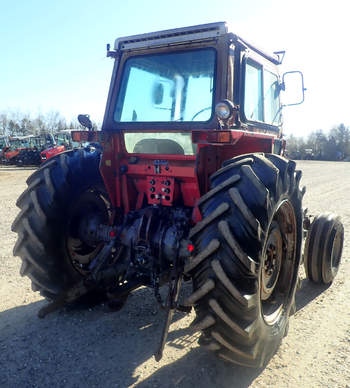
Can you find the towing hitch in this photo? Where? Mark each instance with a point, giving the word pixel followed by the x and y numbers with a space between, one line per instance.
pixel 171 306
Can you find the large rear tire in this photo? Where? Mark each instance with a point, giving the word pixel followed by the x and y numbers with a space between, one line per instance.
pixel 245 266
pixel 66 188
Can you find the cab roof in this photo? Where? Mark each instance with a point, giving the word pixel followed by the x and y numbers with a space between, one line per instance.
pixel 183 35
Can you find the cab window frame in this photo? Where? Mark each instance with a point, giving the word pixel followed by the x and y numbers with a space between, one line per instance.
pixel 255 62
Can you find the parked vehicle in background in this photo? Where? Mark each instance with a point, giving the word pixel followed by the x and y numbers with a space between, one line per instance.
pixel 308 154
pixel 62 142
pixel 3 142
pixel 33 150
pixel 25 150
pixel 30 155
pixel 13 148
pixel 3 146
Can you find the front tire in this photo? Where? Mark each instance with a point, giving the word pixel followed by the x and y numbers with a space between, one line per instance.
pixel 245 266
pixel 323 248
pixel 63 189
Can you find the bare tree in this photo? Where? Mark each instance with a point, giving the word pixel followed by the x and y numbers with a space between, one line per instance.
pixel 3 124
pixel 341 136
pixel 55 121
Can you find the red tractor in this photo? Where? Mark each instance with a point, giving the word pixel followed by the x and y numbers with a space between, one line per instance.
pixel 61 141
pixel 30 155
pixel 11 149
pixel 186 182
pixel 22 150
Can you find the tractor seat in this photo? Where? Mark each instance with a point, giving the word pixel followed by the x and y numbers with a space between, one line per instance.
pixel 158 146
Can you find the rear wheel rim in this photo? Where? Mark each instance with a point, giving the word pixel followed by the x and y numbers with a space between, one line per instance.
pixel 272 262
pixel 91 205
pixel 278 265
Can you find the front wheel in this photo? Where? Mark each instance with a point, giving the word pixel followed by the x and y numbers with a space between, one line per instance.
pixel 245 266
pixel 323 248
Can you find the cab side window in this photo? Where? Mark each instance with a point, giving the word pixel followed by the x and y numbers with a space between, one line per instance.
pixel 261 94
pixel 271 98
pixel 253 97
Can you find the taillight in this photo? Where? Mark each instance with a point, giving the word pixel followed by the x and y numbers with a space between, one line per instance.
pixel 211 137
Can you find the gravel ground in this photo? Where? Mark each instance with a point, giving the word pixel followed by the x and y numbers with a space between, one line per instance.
pixel 97 348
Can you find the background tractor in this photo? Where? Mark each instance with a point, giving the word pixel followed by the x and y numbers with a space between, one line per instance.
pixel 24 150
pixel 29 155
pixel 4 143
pixel 185 182
pixel 61 141
pixel 12 147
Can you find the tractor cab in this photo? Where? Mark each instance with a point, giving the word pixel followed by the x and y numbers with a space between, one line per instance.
pixel 187 98
pixel 167 84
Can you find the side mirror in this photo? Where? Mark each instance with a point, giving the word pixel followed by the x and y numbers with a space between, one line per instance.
pixel 157 93
pixel 293 88
pixel 85 121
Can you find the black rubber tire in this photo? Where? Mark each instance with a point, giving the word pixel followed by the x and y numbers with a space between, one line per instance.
pixel 251 198
pixel 323 248
pixel 41 224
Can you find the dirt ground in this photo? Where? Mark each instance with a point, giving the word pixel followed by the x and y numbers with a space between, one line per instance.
pixel 97 348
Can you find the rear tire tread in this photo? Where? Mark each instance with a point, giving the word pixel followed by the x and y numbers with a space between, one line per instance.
pixel 220 210
pixel 209 250
pixel 247 262
pixel 43 207
pixel 228 252
pixel 202 324
pixel 247 301
pixel 198 294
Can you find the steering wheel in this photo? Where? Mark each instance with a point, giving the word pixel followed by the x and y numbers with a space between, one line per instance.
pixel 201 111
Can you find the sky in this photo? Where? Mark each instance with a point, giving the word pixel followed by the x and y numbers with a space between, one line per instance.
pixel 53 53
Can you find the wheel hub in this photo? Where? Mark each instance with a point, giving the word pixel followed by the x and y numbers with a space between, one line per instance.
pixel 279 267
pixel 88 212
pixel 272 262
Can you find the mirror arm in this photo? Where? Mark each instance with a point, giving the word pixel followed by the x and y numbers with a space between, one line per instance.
pixel 111 53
